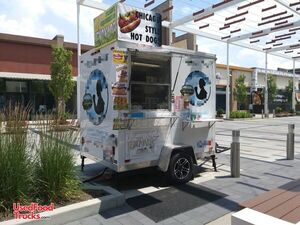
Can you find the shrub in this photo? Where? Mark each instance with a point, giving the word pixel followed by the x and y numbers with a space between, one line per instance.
pixel 240 114
pixel 292 111
pixel 220 112
pixel 278 110
pixel 55 167
pixel 16 159
pixel 34 169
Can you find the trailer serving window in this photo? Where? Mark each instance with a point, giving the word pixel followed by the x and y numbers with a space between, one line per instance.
pixel 150 81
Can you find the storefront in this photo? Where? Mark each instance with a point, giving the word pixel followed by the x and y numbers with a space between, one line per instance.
pixel 25 71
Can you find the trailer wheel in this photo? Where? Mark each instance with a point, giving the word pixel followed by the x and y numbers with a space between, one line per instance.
pixel 181 168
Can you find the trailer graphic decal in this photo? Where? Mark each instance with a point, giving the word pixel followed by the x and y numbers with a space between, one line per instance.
pixel 201 88
pixel 95 100
pixel 141 142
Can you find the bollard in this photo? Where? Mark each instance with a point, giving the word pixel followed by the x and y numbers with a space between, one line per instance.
pixel 235 154
pixel 290 142
pixel 262 113
pixel 273 113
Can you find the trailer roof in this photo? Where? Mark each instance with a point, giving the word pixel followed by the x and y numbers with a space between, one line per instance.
pixel 270 26
pixel 165 49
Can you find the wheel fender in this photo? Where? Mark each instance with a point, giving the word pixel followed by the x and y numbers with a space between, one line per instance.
pixel 164 158
pixel 166 153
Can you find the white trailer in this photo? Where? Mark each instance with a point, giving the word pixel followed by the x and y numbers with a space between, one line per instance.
pixel 146 105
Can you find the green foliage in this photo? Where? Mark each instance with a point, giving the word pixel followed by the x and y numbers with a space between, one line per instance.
pixel 55 168
pixel 61 84
pixel 278 109
pixel 220 112
pixel 16 159
pixel 289 91
pixel 240 114
pixel 272 88
pixel 34 168
pixel 240 90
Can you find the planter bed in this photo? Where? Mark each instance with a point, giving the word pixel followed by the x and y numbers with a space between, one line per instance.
pixel 95 199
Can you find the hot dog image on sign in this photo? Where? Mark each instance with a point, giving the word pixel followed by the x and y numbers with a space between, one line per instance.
pixel 129 21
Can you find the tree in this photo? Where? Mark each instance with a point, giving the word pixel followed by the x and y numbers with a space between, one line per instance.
pixel 272 88
pixel 61 84
pixel 289 91
pixel 240 90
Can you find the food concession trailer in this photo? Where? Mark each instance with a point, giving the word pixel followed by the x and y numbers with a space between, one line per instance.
pixel 144 104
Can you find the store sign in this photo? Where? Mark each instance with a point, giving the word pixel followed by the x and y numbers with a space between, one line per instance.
pixel 105 27
pixel 127 23
pixel 139 26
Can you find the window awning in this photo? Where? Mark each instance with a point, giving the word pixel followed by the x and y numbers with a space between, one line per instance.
pixel 27 76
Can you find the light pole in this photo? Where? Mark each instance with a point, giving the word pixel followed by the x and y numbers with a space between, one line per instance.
pixel 227 86
pixel 78 60
pixel 266 108
pixel 294 91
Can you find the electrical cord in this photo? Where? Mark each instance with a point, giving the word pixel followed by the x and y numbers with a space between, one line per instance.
pixel 95 177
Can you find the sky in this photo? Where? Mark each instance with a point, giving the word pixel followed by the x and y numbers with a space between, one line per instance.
pixel 46 18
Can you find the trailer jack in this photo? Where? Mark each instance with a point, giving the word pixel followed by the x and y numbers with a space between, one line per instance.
pixel 82 162
pixel 213 159
pixel 220 149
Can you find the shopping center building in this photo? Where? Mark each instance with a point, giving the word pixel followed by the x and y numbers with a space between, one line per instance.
pixel 25 70
pixel 255 81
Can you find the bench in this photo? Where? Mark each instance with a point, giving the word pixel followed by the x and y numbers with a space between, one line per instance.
pixel 281 204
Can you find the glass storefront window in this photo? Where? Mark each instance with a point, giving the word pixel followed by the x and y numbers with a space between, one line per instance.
pixel 38 86
pixel 2 85
pixel 16 86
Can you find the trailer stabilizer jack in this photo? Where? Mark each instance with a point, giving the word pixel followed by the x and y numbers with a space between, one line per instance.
pixel 82 162
pixel 220 149
pixel 213 159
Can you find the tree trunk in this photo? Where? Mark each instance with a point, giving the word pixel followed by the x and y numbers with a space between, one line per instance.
pixel 61 108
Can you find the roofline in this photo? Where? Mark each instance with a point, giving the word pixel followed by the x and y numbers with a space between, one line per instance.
pixel 275 72
pixel 223 66
pixel 39 41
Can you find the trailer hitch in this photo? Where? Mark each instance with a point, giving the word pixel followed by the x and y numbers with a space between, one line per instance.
pixel 220 149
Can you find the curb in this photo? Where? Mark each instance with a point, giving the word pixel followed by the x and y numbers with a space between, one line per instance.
pixel 77 211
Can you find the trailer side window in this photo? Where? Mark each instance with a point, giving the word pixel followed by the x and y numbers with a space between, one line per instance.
pixel 150 82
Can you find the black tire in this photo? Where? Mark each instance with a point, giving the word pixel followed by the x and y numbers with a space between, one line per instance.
pixel 183 164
